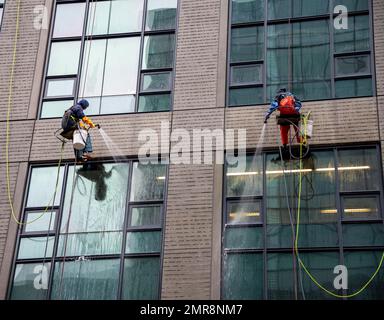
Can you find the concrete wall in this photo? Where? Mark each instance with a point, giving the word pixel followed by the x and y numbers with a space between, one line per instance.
pixel 192 248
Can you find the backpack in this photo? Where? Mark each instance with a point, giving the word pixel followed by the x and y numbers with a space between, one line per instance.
pixel 65 119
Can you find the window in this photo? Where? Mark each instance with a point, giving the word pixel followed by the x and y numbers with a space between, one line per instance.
pixel 103 218
pixel 1 11
pixel 340 215
pixel 294 44
pixel 113 54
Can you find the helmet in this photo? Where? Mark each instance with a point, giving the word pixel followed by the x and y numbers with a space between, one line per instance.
pixel 281 90
pixel 84 103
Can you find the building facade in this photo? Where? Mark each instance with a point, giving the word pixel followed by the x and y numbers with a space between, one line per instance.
pixel 181 227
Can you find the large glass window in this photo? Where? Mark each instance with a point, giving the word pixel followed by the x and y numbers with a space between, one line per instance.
pixel 111 53
pixel 103 218
pixel 294 44
pixel 340 216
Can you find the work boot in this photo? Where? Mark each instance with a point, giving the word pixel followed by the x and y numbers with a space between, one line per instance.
pixel 86 157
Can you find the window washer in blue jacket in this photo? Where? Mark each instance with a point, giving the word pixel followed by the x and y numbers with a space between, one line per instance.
pixel 73 119
pixel 289 107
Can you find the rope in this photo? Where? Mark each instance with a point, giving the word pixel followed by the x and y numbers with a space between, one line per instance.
pixel 7 139
pixel 314 280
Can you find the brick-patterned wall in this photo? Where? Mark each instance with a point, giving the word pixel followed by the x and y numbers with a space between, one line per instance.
pixel 196 55
pixel 188 240
pixel 5 209
pixel 335 121
pixel 123 130
pixel 193 216
pixel 378 22
pixel 25 60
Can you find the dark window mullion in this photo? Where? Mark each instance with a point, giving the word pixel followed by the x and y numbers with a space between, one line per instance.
pixel 142 42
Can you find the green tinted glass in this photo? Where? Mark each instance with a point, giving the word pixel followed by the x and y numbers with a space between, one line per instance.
pixel 30 281
pixel 243 276
pixel 141 278
pixel 247 44
pixel 242 238
pixel 361 266
pixel 86 280
pixel 143 242
pixel 247 10
pixel 244 175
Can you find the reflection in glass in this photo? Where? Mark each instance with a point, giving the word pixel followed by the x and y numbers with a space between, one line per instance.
pixel 36 247
pixel 86 280
pixel 246 74
pixel 353 88
pixel 99 197
pixel 147 182
pixel 85 244
pixel 30 281
pixel 279 9
pixel 92 72
pixel 117 104
pixel 156 81
pixel 158 51
pixel 363 234
pixel 358 170
pixel 98 17
pixel 321 266
pixel 155 102
pixel 55 109
pixel 361 266
pixel 244 212
pixel 161 14
pixel 247 11
pixel 44 176
pixel 126 16
pixel 277 57
pixel 39 221
pixel 349 66
pixel 141 278
pixel 360 208
pixel 60 88
pixel 243 276
pixel 281 279
pixel 146 216
pixel 121 66
pixel 311 59
pixel 247 44
pixel 69 20
pixel 143 242
pixel 355 38
pixel 64 58
pixel 244 238
pixel 246 96
pixel 245 177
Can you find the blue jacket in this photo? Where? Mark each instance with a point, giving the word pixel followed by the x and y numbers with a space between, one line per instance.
pixel 275 103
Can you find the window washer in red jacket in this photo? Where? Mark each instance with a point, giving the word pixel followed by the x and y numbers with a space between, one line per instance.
pixel 289 106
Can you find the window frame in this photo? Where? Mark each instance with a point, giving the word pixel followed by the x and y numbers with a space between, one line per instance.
pixel 125 229
pixel 340 248
pixel 84 37
pixel 332 54
pixel 2 8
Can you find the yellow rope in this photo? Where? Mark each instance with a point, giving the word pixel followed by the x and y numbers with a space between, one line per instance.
pixel 297 237
pixel 10 94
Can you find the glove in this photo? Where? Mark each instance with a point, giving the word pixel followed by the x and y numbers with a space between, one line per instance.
pixel 88 122
pixel 266 118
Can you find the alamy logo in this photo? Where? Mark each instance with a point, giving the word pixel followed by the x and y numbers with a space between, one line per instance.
pixel 40 282
pixel 341 21
pixel 341 280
